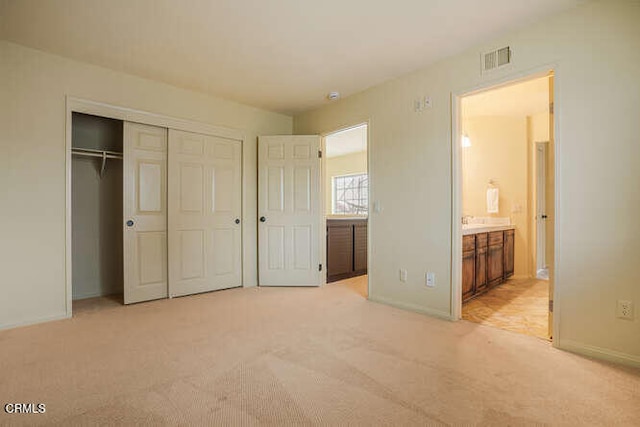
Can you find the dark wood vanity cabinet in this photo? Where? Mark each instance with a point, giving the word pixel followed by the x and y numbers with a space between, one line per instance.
pixel 487 260
pixel 346 248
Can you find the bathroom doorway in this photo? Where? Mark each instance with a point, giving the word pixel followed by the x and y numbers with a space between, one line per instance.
pixel 346 207
pixel 505 171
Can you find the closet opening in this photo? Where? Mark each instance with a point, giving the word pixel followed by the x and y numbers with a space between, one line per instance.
pixel 96 212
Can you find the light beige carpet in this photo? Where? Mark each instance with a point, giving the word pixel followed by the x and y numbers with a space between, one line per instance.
pixel 279 356
pixel 518 305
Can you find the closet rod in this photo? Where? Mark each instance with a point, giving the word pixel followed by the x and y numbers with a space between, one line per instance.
pixel 104 155
pixel 99 155
pixel 96 153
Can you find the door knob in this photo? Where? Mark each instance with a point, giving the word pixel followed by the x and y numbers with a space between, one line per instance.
pixel 237 221
pixel 263 219
pixel 129 223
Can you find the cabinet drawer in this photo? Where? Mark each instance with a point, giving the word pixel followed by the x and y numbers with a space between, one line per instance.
pixel 481 240
pixel 495 238
pixel 468 243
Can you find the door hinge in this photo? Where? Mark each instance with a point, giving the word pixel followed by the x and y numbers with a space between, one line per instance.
pixel 319 154
pixel 551 108
pixel 550 306
pixel 319 267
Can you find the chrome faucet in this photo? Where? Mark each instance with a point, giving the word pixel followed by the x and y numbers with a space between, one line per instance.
pixel 466 218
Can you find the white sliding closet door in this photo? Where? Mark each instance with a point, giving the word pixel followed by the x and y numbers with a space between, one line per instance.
pixel 205 195
pixel 289 211
pixel 145 212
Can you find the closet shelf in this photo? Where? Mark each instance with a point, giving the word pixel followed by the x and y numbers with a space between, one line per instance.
pixel 102 154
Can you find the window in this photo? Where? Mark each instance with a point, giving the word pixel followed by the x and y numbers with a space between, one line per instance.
pixel 350 194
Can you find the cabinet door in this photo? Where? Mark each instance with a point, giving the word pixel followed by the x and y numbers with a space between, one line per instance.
pixel 509 241
pixel 360 248
pixel 494 264
pixel 481 269
pixel 468 274
pixel 339 251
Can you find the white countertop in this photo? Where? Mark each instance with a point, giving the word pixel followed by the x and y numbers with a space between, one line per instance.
pixel 468 229
pixel 346 218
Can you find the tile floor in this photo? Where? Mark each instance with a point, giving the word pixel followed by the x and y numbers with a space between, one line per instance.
pixel 518 305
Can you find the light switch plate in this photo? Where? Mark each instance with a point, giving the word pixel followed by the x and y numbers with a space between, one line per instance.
pixel 430 279
pixel 403 274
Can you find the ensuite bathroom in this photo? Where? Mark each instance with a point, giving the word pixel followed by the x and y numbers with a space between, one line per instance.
pixel 507 241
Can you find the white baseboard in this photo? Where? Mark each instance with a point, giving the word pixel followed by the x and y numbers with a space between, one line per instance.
pixel 599 353
pixel 78 297
pixel 34 321
pixel 412 307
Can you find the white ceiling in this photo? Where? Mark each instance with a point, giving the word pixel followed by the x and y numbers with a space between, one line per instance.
pixel 282 55
pixel 518 100
pixel 348 141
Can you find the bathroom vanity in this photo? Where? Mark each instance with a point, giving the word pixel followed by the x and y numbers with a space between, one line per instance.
pixel 346 248
pixel 487 258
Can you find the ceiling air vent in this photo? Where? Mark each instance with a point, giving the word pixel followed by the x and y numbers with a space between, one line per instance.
pixel 496 59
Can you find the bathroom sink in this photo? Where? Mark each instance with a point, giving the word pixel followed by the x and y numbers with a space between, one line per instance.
pixel 471 226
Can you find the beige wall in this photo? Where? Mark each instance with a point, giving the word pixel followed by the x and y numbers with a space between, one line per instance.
pixel 499 153
pixel 348 164
pixel 596 49
pixel 33 86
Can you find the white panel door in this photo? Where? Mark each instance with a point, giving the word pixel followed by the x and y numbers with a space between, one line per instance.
pixel 145 212
pixel 289 211
pixel 205 196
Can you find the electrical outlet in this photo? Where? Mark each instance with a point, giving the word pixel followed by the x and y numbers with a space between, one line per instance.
pixel 430 279
pixel 625 309
pixel 403 275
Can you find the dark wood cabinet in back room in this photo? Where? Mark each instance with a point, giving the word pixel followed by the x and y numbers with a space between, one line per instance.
pixel 339 249
pixel 360 248
pixel 346 248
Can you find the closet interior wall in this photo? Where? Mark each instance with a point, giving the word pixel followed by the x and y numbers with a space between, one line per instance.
pixel 97 245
